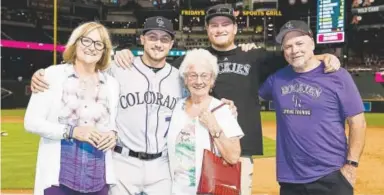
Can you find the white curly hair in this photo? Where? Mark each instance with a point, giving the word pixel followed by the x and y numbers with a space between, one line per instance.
pixel 199 57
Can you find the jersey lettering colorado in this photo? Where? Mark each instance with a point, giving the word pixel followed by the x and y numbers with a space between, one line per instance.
pixel 146 103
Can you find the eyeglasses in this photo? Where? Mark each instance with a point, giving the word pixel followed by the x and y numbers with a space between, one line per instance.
pixel 163 39
pixel 220 10
pixel 195 76
pixel 88 42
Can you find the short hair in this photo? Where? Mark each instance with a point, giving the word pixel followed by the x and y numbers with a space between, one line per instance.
pixel 69 55
pixel 199 57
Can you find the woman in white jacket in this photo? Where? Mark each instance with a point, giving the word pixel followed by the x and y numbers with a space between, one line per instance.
pixel 75 118
pixel 192 122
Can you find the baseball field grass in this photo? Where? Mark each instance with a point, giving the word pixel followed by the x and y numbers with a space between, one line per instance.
pixel 19 148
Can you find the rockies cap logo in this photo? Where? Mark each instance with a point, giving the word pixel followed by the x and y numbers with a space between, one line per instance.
pixel 289 25
pixel 160 22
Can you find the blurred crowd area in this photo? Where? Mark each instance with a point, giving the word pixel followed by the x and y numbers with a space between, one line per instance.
pixel 32 21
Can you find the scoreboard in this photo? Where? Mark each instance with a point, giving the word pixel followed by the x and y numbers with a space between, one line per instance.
pixel 330 21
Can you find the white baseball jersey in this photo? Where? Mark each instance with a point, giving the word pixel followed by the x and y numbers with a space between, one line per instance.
pixel 146 102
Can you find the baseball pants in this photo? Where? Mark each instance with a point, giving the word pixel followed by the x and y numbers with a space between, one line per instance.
pixel 141 177
pixel 246 175
pixel 331 184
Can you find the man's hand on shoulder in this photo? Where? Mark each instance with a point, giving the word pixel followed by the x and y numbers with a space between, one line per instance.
pixel 124 58
pixel 331 62
pixel 231 105
pixel 38 83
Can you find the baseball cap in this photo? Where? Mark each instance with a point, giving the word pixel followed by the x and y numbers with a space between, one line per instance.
pixel 159 23
pixel 220 10
pixel 293 25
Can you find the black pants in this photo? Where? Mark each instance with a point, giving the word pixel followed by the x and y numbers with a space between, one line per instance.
pixel 332 184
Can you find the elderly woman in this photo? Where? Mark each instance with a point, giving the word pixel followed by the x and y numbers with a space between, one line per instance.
pixel 192 122
pixel 75 118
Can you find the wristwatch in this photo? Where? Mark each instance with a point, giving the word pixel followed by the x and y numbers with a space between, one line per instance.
pixel 66 132
pixel 353 163
pixel 217 134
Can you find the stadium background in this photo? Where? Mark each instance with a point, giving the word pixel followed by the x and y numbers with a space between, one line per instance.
pixel 27 39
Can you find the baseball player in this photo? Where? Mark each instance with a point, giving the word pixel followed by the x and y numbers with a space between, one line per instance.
pixel 149 92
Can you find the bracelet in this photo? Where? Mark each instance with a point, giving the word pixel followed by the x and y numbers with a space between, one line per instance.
pixel 66 132
pixel 217 134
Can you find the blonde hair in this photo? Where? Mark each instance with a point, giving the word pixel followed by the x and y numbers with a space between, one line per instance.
pixel 69 54
pixel 199 57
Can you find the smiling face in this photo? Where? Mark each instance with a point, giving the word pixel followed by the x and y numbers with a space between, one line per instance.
pixel 90 48
pixel 199 80
pixel 221 31
pixel 298 49
pixel 157 44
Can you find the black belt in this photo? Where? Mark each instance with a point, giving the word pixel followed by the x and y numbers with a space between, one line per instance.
pixel 139 155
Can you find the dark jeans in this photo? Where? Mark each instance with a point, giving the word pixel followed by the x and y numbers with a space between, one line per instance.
pixel 332 184
pixel 63 190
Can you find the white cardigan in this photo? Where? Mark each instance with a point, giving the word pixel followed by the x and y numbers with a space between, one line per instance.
pixel 224 117
pixel 41 118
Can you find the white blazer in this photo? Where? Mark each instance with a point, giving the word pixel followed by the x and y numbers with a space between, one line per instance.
pixel 224 117
pixel 41 118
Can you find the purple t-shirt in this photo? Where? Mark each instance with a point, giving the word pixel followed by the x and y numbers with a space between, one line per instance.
pixel 311 109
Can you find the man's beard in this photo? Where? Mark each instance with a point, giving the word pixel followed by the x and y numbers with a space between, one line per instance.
pixel 224 45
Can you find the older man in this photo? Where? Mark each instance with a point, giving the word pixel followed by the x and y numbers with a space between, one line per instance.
pixel 313 154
